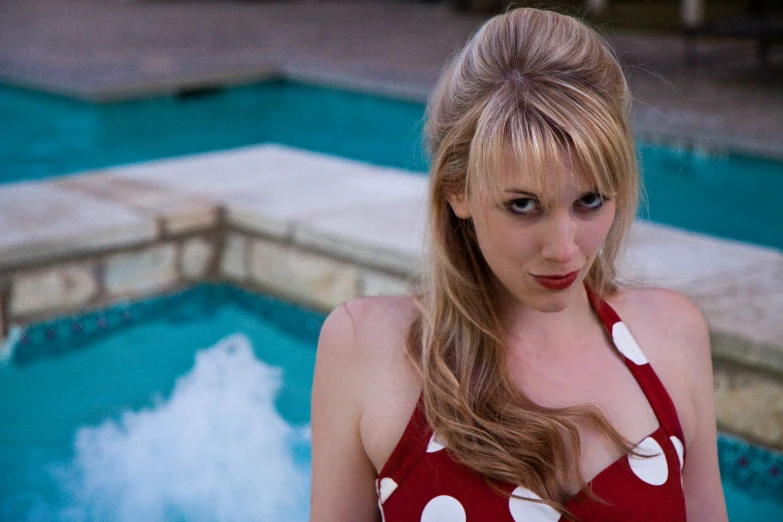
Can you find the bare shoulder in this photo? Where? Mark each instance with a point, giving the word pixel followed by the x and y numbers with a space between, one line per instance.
pixel 360 360
pixel 671 321
pixel 381 328
pixel 381 317
pixel 365 334
pixel 669 311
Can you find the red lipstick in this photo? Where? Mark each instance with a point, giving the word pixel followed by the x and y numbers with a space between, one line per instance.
pixel 557 282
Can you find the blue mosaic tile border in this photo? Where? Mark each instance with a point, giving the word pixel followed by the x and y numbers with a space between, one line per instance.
pixel 65 334
pixel 753 469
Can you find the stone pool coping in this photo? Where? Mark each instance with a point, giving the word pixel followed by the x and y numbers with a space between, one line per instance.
pixel 320 230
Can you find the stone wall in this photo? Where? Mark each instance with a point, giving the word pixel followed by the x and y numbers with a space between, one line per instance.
pixel 749 403
pixel 82 282
pixel 283 269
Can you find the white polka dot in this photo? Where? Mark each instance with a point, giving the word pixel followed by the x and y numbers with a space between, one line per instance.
pixel 524 511
pixel 443 509
pixel 627 345
pixel 653 470
pixel 679 448
pixel 386 488
pixel 434 444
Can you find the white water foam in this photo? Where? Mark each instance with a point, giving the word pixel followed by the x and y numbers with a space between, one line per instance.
pixel 216 450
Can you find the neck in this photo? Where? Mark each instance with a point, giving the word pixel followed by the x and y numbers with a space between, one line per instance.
pixel 535 330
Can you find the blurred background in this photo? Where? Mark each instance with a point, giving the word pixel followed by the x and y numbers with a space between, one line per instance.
pixel 186 187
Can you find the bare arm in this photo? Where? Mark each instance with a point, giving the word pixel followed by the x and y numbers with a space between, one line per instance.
pixel 343 477
pixel 701 476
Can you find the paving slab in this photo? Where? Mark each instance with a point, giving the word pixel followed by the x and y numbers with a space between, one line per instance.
pixel 210 175
pixel 674 257
pixel 387 235
pixel 41 221
pixel 177 212
pixel 269 188
pixel 343 198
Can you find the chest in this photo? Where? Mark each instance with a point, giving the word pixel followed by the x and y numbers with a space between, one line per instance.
pixel 577 371
pixel 421 482
pixel 592 373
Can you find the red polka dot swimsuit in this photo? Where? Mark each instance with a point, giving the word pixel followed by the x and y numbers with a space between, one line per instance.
pixel 421 483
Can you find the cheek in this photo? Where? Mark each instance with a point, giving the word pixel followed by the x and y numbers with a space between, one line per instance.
pixel 593 233
pixel 505 241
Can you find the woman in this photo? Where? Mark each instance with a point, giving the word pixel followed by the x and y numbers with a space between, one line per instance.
pixel 510 389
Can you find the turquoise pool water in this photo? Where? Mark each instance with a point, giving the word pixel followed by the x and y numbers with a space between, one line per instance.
pixel 733 196
pixel 135 415
pixel 196 407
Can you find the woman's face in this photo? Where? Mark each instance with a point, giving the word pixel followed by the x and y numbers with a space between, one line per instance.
pixel 540 246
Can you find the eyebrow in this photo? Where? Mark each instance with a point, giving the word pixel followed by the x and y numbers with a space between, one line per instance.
pixel 527 193
pixel 521 192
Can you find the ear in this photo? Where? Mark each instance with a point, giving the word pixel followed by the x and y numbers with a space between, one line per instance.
pixel 459 205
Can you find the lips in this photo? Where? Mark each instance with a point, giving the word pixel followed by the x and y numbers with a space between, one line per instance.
pixel 557 282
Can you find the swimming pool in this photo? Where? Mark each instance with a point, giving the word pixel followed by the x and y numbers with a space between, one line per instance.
pixel 195 406
pixel 729 196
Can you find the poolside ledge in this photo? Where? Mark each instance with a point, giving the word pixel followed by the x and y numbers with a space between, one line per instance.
pixel 321 230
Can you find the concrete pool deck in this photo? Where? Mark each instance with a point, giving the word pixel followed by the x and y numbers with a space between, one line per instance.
pixel 320 230
pixel 106 50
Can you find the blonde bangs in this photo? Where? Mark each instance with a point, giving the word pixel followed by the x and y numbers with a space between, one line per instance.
pixel 542 142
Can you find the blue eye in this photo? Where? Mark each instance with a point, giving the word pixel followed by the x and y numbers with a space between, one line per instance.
pixel 522 206
pixel 591 202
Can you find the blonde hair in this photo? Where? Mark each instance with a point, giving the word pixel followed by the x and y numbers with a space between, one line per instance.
pixel 537 83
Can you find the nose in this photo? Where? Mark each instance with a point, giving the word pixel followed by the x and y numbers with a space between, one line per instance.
pixel 559 239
